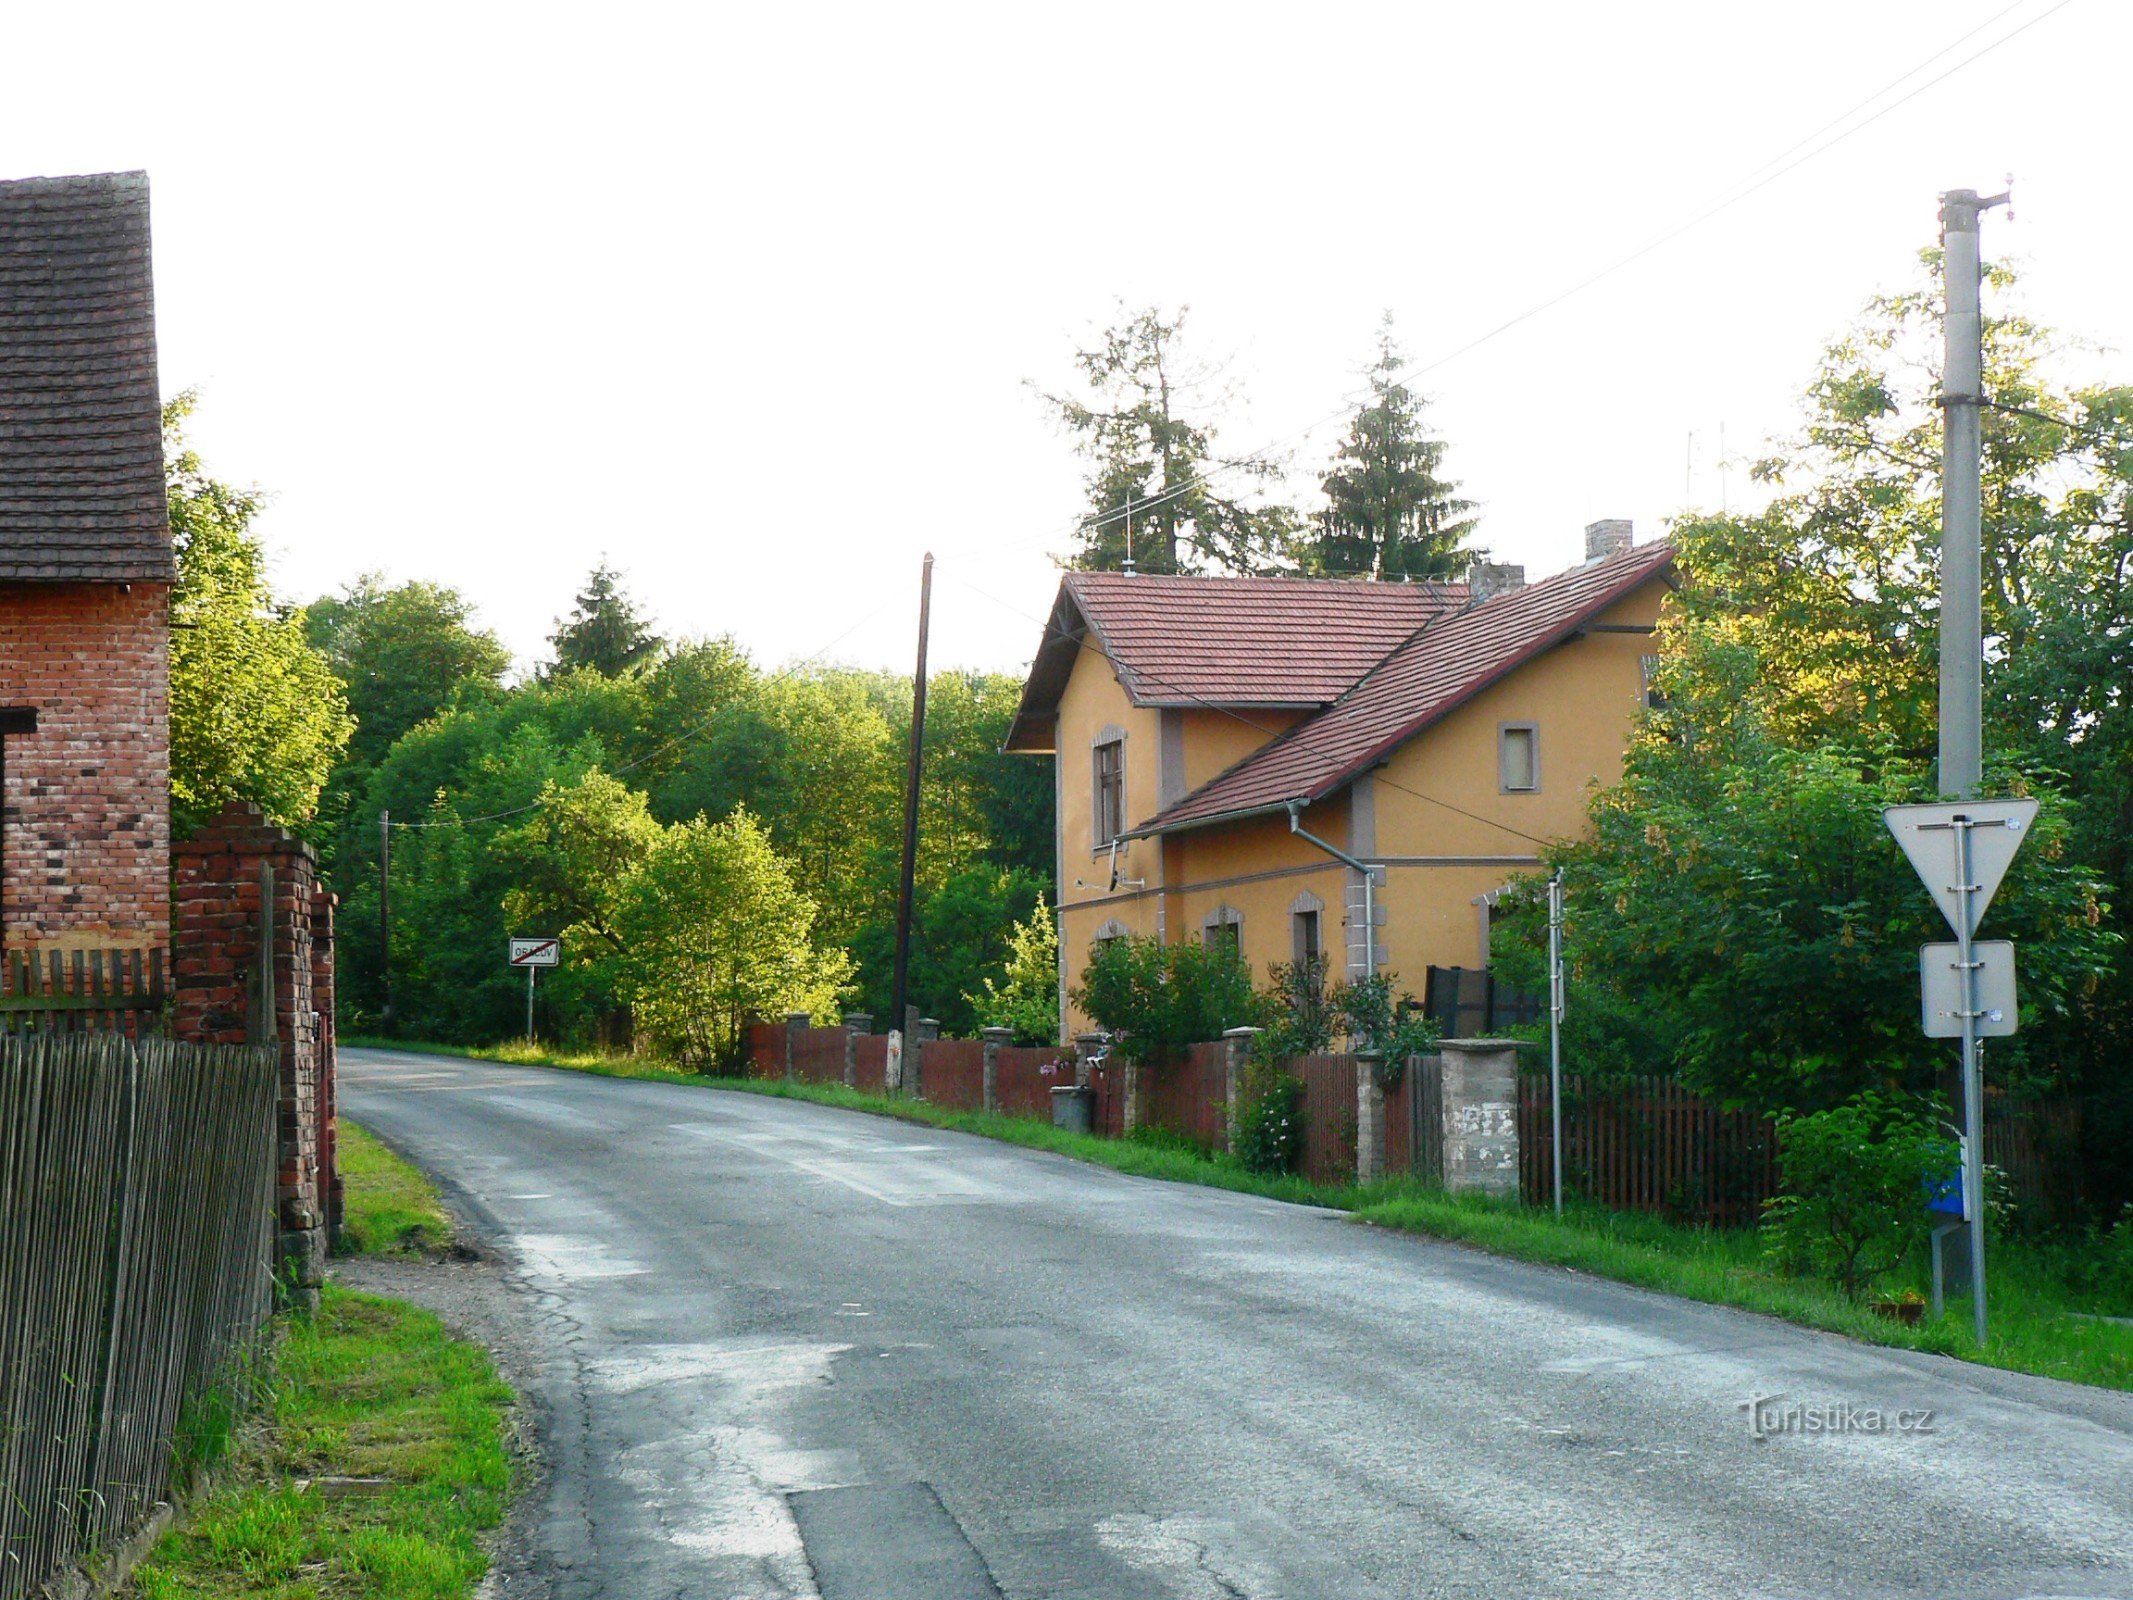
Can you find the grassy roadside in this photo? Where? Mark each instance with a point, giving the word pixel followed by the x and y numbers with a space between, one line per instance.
pixel 376 1461
pixel 2039 1324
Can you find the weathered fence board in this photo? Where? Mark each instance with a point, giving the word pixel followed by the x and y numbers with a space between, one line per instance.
pixel 136 1258
pixel 76 991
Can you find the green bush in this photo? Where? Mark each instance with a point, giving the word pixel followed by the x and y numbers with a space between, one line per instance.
pixel 1270 1118
pixel 1855 1176
pixel 1158 999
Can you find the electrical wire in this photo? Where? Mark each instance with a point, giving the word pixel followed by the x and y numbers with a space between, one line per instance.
pixel 1801 151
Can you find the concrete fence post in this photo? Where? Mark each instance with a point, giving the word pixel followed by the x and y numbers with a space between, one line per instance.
pixel 919 1030
pixel 855 1023
pixel 994 1038
pixel 1369 1116
pixel 1087 1047
pixel 1236 1054
pixel 795 1023
pixel 1480 1116
pixel 1130 1113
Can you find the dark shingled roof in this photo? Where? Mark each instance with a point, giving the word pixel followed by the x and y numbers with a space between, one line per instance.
pixel 1268 643
pixel 81 428
pixel 1432 674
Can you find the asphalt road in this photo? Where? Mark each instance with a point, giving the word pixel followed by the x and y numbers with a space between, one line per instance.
pixel 790 1351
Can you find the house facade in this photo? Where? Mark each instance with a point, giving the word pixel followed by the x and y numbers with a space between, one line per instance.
pixel 86 570
pixel 1335 768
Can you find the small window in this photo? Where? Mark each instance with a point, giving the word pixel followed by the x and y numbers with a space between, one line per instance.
pixel 1110 791
pixel 1654 698
pixel 1518 757
pixel 1223 930
pixel 1305 940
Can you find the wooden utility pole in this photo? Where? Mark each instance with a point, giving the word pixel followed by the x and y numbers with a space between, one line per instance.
pixel 900 987
pixel 385 916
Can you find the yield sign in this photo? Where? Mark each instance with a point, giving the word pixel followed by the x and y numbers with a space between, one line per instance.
pixel 1931 837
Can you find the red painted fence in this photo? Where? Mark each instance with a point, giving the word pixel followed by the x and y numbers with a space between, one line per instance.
pixel 1645 1144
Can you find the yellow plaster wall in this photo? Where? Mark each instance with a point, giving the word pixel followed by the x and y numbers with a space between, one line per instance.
pixel 1583 697
pixel 1215 741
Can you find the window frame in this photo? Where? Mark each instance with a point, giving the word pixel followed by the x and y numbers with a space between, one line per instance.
pixel 1107 808
pixel 1504 731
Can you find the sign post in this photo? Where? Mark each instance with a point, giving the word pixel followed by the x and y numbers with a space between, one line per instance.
pixel 1961 850
pixel 534 954
pixel 1555 1031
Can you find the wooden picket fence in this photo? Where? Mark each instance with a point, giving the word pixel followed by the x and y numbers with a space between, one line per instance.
pixel 136 1260
pixel 77 991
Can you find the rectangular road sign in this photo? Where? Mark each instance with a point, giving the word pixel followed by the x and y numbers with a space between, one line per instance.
pixel 536 952
pixel 1927 834
pixel 1940 981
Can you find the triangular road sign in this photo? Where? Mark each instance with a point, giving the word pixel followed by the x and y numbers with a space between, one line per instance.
pixel 1928 835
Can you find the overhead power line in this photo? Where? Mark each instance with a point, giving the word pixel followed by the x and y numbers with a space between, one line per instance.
pixel 1795 155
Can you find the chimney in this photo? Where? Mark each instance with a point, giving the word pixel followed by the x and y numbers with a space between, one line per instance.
pixel 1611 536
pixel 1485 580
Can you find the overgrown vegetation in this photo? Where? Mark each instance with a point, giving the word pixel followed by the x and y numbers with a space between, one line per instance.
pixel 375 1460
pixel 1738 915
pixel 369 1389
pixel 391 1209
pixel 1856 1178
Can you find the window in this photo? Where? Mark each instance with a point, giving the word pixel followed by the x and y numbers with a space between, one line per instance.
pixel 1223 929
pixel 1518 757
pixel 1305 936
pixel 1648 667
pixel 1110 817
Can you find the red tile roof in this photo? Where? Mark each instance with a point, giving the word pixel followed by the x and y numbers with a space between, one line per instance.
pixel 81 435
pixel 1425 678
pixel 1190 641
pixel 1181 641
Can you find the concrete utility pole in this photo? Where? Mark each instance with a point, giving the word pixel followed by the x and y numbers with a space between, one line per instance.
pixel 1962 584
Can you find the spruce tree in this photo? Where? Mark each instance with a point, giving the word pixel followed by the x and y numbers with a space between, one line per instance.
pixel 1390 513
pixel 605 632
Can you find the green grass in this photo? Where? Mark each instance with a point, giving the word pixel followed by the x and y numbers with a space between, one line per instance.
pixel 368 1388
pixel 2042 1301
pixel 391 1209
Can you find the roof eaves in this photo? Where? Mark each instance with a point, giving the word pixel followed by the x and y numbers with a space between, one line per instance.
pixel 1155 825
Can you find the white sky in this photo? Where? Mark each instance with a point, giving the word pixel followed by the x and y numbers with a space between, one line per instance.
pixel 745 297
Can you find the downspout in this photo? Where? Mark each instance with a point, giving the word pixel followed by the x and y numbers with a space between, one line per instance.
pixel 1370 899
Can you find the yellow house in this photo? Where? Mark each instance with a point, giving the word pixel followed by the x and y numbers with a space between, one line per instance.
pixel 1289 763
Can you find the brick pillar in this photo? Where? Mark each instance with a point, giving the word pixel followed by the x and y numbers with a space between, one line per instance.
pixel 994 1038
pixel 1369 1116
pixel 323 902
pixel 1236 1052
pixel 1480 1117
pixel 218 971
pixel 795 1025
pixel 855 1023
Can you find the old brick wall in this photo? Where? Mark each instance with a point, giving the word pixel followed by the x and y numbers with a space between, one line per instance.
pixel 87 837
pixel 217 998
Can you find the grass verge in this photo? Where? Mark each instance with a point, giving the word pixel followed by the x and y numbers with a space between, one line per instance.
pixel 391 1209
pixel 2041 1324
pixel 376 1462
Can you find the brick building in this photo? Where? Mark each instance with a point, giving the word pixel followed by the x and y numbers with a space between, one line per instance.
pixel 86 569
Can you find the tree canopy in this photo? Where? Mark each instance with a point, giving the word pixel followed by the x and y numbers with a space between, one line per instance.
pixel 1153 467
pixel 604 632
pixel 1390 513
pixel 255 712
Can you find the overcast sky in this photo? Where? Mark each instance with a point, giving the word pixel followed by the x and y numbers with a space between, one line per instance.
pixel 747 297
